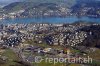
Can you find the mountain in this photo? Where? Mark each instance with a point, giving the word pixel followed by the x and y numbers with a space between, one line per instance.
pixel 18 6
pixel 41 8
pixel 66 2
pixel 90 9
pixel 55 8
pixel 71 2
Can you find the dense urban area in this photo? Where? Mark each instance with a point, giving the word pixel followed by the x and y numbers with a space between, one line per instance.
pixel 20 43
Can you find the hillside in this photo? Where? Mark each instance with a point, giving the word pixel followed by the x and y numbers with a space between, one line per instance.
pixel 91 9
pixel 18 6
pixel 36 9
pixel 30 3
pixel 93 39
pixel 58 8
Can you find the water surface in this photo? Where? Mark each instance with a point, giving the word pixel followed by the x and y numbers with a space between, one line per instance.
pixel 49 20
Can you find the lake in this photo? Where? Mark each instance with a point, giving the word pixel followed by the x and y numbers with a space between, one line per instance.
pixel 49 20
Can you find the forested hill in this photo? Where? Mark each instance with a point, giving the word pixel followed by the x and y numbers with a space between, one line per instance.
pixel 57 8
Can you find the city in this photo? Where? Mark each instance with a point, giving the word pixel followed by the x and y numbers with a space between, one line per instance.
pixel 46 40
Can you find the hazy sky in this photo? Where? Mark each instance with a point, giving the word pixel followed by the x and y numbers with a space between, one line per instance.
pixel 8 0
pixel 5 2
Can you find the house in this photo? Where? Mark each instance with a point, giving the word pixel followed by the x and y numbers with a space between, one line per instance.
pixel 1 17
